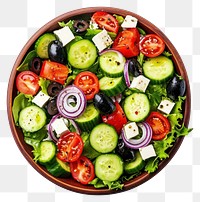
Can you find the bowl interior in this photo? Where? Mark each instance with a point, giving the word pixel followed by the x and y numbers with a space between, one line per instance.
pixel 26 150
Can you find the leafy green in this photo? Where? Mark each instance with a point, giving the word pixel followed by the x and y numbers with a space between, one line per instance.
pixel 43 83
pixel 70 24
pixel 90 33
pixel 119 18
pixel 20 102
pixel 152 165
pixel 140 58
pixel 167 54
pixel 141 31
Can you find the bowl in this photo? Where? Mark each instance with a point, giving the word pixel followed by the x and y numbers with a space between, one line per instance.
pixel 26 150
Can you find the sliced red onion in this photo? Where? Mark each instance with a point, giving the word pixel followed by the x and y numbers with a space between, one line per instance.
pixel 143 141
pixel 117 98
pixel 126 74
pixel 51 131
pixel 69 96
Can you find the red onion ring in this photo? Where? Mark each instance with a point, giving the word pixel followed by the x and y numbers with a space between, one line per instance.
pixel 126 74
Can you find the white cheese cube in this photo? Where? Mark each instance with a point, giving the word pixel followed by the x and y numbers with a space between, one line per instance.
pixel 166 106
pixel 140 83
pixel 147 152
pixel 59 126
pixel 131 130
pixel 129 22
pixel 40 99
pixel 64 34
pixel 102 40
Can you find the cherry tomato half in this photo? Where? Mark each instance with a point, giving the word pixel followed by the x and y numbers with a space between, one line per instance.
pixel 127 42
pixel 159 124
pixel 82 170
pixel 106 21
pixel 54 71
pixel 151 45
pixel 70 147
pixel 88 83
pixel 27 82
pixel 116 119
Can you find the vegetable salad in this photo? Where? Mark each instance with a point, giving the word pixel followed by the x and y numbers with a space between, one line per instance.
pixel 99 100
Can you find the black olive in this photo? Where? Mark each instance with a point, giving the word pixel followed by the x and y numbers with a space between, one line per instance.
pixel 52 107
pixel 104 103
pixel 125 152
pixel 56 52
pixel 35 65
pixel 54 88
pixel 135 67
pixel 80 26
pixel 176 87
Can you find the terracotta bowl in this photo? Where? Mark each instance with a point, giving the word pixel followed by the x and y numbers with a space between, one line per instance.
pixel 69 183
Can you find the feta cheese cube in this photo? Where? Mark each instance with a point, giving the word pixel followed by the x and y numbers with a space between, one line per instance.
pixel 64 34
pixel 140 83
pixel 166 106
pixel 147 152
pixel 102 40
pixel 40 99
pixel 59 126
pixel 129 22
pixel 131 130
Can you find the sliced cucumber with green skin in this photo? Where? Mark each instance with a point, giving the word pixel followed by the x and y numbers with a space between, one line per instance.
pixel 89 119
pixel 103 138
pixel 134 166
pixel 112 86
pixel 47 151
pixel 108 167
pixel 136 107
pixel 32 118
pixel 82 54
pixel 158 69
pixel 112 63
pixel 41 45
pixel 58 168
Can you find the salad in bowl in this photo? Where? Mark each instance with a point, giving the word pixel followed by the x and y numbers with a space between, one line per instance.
pixel 99 100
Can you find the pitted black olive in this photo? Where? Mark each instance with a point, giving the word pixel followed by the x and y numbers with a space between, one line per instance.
pixel 80 26
pixel 56 52
pixel 125 152
pixel 135 67
pixel 35 65
pixel 176 87
pixel 104 103
pixel 52 107
pixel 54 88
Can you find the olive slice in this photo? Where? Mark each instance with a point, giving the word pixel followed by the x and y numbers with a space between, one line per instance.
pixel 35 65
pixel 135 67
pixel 54 88
pixel 80 26
pixel 52 107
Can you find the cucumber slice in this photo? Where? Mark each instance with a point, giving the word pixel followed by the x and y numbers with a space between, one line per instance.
pixel 134 166
pixel 82 54
pixel 32 118
pixel 59 168
pixel 108 167
pixel 158 69
pixel 47 151
pixel 112 63
pixel 89 119
pixel 41 45
pixel 136 107
pixel 112 86
pixel 103 138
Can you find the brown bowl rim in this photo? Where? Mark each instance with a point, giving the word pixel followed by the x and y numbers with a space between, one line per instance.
pixel 74 186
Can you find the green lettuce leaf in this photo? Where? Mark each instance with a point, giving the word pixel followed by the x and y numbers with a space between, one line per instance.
pixel 152 165
pixel 43 83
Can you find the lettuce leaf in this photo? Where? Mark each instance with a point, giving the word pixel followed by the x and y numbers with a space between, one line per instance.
pixel 43 83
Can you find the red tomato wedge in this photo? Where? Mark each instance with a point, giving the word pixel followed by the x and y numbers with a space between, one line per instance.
pixel 159 124
pixel 151 45
pixel 82 170
pixel 70 147
pixel 88 83
pixel 127 42
pixel 27 82
pixel 54 71
pixel 116 119
pixel 106 21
